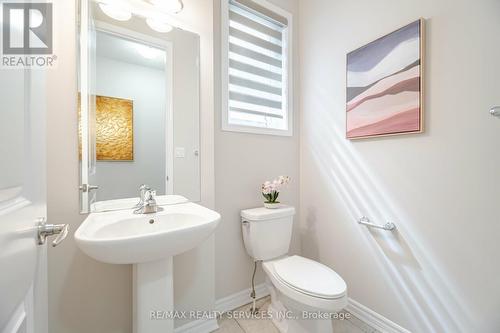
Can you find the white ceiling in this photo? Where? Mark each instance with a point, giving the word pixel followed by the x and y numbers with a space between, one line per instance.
pixel 125 50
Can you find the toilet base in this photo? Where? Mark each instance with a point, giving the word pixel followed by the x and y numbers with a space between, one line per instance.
pixel 290 319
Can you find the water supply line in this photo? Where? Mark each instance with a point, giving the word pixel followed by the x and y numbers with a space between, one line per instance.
pixel 254 309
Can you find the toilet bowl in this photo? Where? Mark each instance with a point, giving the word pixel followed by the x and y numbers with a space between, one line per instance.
pixel 304 293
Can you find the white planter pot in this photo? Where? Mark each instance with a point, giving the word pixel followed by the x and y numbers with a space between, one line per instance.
pixel 273 205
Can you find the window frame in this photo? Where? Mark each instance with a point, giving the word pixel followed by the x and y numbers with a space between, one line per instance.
pixel 287 75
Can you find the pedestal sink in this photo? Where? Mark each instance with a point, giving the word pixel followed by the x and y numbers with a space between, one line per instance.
pixel 149 242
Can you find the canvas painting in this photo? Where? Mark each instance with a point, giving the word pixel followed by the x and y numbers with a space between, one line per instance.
pixel 114 122
pixel 384 85
pixel 114 129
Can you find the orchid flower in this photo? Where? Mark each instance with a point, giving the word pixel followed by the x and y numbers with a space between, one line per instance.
pixel 271 189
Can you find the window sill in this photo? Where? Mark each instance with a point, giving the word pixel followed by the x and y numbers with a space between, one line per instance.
pixel 256 130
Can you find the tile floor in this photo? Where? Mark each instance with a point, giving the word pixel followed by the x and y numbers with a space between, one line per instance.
pixel 230 325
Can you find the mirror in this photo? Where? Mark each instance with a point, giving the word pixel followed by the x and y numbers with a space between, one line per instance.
pixel 138 107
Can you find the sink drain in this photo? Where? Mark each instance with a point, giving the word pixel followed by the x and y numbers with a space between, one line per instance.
pixel 151 221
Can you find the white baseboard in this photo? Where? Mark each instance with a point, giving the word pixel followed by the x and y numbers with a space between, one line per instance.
pixel 234 301
pixel 198 326
pixel 241 298
pixel 225 304
pixel 373 319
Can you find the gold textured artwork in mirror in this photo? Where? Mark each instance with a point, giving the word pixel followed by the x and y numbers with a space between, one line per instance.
pixel 114 129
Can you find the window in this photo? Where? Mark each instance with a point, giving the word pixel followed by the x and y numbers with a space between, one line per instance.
pixel 256 73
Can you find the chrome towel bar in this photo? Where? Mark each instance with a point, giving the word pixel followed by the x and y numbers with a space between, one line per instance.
pixel 366 221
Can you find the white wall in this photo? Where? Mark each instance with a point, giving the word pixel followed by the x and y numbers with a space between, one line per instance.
pixel 186 99
pixel 146 87
pixel 242 162
pixel 84 295
pixel 439 272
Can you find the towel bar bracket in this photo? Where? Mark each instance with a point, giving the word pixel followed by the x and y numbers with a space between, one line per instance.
pixel 495 111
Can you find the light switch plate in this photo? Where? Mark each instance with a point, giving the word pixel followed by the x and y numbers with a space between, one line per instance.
pixel 180 152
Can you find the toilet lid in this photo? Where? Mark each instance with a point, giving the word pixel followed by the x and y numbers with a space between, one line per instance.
pixel 310 277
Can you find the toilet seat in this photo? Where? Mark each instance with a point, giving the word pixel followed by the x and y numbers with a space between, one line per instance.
pixel 309 277
pixel 309 298
pixel 307 282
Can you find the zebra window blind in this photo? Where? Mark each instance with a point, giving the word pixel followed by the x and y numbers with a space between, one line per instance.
pixel 257 63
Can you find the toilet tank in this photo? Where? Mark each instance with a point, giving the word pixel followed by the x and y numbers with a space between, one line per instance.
pixel 267 232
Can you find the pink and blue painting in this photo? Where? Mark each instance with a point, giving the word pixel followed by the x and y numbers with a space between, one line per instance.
pixel 384 85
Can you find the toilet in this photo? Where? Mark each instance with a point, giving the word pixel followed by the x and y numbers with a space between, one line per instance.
pixel 304 293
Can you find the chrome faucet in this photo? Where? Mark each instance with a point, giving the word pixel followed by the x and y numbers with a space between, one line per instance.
pixel 143 189
pixel 148 203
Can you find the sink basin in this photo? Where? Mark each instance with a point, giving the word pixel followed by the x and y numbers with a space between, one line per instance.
pixel 149 242
pixel 122 237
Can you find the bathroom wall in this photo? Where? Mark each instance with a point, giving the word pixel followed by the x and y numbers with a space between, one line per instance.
pixel 186 115
pixel 84 295
pixel 121 179
pixel 439 272
pixel 242 163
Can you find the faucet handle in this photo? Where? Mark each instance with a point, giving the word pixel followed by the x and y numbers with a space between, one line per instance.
pixel 148 206
pixel 144 187
pixel 150 195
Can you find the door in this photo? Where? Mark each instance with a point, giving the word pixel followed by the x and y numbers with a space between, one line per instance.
pixel 23 299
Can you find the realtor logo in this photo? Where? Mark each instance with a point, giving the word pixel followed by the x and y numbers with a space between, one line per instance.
pixel 27 28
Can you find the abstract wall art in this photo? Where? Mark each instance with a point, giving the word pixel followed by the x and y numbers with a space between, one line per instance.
pixel 384 85
pixel 114 129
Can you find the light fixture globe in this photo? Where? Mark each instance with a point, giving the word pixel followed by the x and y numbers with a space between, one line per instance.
pixel 159 25
pixel 170 6
pixel 115 12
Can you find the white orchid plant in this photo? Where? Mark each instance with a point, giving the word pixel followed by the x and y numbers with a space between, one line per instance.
pixel 271 189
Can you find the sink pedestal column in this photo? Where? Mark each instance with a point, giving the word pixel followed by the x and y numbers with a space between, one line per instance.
pixel 153 297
